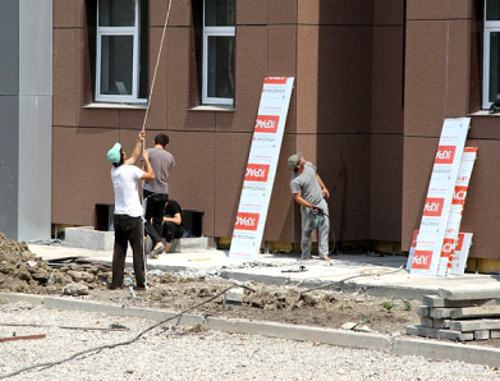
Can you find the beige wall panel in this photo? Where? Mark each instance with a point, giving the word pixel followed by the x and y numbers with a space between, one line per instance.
pixel 388 12
pixel 281 218
pixel 157 118
pixel 387 97
pixel 251 68
pixel 180 12
pixel 357 84
pixel 64 77
pixel 358 12
pixel 482 208
pixel 81 173
pixel 459 9
pixel 425 89
pixel 322 12
pixel 193 179
pixel 282 50
pixel 179 117
pixel 251 12
pixel 386 187
pixel 418 159
pixel 458 87
pixel 282 11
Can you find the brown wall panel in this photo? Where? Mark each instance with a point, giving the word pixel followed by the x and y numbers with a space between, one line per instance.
pixel 387 88
pixel 180 12
pixel 331 167
pixel 282 50
pixel 425 87
pixel 418 160
pixel 355 156
pixel 358 12
pixel 319 79
pixel 231 153
pixel 251 68
pixel 81 173
pixel 67 14
pixel 386 187
pixel 438 9
pixel 482 207
pixel 324 12
pixel 458 84
pixel 252 12
pixel 157 118
pixel 388 12
pixel 282 11
pixel 179 116
pixel 485 127
pixel 131 119
pixel 65 77
pixel 357 84
pixel 193 180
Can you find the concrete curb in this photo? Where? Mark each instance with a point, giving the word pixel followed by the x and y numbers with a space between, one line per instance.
pixel 403 346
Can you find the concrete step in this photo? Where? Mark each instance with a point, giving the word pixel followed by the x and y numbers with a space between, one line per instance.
pixel 86 237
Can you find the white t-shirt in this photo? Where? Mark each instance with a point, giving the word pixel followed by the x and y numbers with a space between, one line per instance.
pixel 125 180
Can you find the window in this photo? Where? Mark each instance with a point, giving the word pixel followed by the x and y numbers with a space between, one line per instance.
pixel 491 54
pixel 120 53
pixel 218 52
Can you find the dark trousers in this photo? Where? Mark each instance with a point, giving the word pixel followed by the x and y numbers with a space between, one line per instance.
pixel 171 231
pixel 155 207
pixel 128 229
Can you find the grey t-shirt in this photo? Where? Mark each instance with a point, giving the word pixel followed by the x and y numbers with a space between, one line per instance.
pixel 307 185
pixel 162 162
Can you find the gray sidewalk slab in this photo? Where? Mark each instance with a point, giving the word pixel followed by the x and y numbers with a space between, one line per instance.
pixel 378 276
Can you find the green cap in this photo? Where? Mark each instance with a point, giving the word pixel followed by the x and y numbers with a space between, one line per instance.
pixel 294 159
pixel 114 155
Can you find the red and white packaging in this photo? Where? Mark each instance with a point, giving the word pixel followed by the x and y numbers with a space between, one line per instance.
pixel 456 210
pixel 462 249
pixel 437 206
pixel 261 168
pixel 413 247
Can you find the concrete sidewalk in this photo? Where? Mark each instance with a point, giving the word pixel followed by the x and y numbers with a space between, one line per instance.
pixel 380 276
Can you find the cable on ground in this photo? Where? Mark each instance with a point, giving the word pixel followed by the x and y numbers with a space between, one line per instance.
pixel 97 349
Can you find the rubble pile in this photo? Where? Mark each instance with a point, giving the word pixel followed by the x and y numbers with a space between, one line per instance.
pixel 22 271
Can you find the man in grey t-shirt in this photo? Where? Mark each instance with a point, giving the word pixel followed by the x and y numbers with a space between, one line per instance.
pixel 156 191
pixel 309 191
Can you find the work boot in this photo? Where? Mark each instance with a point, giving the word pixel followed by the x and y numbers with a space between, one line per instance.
pixel 158 249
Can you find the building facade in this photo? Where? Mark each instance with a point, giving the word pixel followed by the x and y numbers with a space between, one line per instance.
pixel 374 81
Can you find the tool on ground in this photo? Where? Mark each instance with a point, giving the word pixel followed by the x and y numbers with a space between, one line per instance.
pixel 28 337
pixel 299 269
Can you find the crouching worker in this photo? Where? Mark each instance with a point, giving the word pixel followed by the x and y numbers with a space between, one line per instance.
pixel 310 192
pixel 172 224
pixel 125 177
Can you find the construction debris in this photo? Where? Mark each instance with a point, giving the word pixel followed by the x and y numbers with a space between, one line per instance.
pixel 462 315
pixel 16 338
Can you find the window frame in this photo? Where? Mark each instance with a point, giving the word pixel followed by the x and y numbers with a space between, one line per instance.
pixel 490 26
pixel 134 32
pixel 213 31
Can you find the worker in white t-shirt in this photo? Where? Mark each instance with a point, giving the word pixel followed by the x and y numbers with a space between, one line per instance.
pixel 128 210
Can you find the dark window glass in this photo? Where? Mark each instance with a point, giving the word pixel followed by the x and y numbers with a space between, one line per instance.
pixel 220 67
pixel 116 65
pixel 494 93
pixel 116 12
pixel 220 12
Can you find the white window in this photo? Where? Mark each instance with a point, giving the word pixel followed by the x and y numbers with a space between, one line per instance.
pixel 118 51
pixel 218 51
pixel 491 54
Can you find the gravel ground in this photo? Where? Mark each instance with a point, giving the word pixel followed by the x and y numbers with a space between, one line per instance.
pixel 196 354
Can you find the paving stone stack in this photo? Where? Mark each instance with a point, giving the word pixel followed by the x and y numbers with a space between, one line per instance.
pixel 463 315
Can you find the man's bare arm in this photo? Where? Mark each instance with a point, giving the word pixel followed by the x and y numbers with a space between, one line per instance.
pixel 136 151
pixel 324 189
pixel 301 200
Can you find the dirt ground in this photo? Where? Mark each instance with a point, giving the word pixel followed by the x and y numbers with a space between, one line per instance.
pixel 21 271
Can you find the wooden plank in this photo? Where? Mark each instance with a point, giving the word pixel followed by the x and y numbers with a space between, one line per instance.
pixel 16 338
pixel 476 312
pixel 474 325
pixel 440 302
